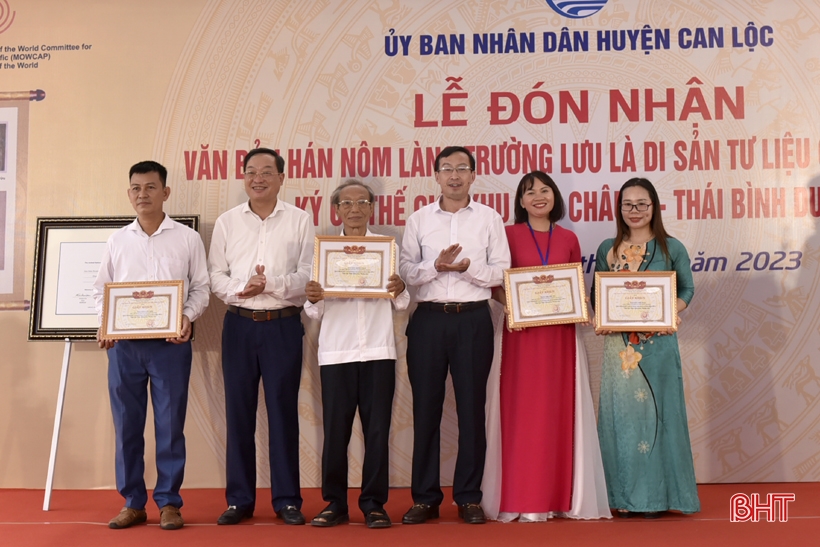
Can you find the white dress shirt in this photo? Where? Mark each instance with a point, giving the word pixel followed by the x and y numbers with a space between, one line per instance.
pixel 356 329
pixel 480 232
pixel 171 253
pixel 283 243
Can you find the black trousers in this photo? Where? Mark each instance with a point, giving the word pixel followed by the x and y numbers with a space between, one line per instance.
pixel 369 386
pixel 463 343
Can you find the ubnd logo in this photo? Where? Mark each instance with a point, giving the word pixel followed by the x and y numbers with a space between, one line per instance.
pixel 577 9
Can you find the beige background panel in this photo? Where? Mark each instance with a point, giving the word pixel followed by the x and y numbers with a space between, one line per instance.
pixel 163 80
pixel 100 113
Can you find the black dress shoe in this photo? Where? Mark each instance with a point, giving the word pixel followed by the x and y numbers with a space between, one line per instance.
pixel 420 513
pixel 291 515
pixel 624 514
pixel 472 513
pixel 234 515
pixel 653 514
pixel 330 516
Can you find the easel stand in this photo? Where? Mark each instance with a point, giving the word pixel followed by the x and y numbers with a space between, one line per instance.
pixel 58 418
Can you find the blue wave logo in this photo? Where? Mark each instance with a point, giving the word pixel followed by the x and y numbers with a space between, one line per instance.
pixel 577 9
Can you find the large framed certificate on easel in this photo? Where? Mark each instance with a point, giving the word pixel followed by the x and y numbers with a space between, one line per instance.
pixel 67 256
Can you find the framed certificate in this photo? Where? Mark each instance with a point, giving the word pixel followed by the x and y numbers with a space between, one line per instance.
pixel 144 309
pixel 636 301
pixel 67 255
pixel 354 267
pixel 545 295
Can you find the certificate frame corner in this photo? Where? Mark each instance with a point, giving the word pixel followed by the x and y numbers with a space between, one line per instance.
pixel 324 243
pixel 575 270
pixel 176 300
pixel 668 280
pixel 46 273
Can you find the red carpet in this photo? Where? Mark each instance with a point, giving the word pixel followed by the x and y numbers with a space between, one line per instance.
pixel 79 518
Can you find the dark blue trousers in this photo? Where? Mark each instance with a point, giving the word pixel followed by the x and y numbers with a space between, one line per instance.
pixel 272 351
pixel 131 364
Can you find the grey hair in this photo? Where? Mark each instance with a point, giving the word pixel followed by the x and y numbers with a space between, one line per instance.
pixel 334 197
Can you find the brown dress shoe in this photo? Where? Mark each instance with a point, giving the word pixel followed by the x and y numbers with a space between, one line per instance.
pixel 170 518
pixel 128 517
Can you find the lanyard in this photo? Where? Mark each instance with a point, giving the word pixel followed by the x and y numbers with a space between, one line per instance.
pixel 544 259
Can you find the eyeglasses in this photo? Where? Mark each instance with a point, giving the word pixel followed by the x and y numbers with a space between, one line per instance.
pixel 348 204
pixel 447 171
pixel 640 207
pixel 265 175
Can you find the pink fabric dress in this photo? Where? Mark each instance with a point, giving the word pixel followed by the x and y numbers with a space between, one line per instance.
pixel 538 367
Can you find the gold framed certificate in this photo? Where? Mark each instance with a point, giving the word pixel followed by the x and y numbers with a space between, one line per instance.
pixel 144 309
pixel 354 267
pixel 636 301
pixel 545 295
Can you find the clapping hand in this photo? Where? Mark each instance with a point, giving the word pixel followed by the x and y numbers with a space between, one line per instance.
pixel 446 260
pixel 255 285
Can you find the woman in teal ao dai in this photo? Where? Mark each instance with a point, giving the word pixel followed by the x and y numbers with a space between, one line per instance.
pixel 642 423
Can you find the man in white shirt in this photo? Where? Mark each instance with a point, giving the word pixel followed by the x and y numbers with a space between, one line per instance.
pixel 152 248
pixel 260 260
pixel 454 251
pixel 357 360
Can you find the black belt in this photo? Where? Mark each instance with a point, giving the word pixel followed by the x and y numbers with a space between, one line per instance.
pixel 452 307
pixel 265 315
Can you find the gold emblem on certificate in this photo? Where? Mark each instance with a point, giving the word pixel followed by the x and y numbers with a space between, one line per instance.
pixel 146 309
pixel 354 267
pixel 636 301
pixel 545 295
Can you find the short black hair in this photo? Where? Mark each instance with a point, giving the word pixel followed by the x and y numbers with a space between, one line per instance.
pixel 450 150
pixel 280 161
pixel 149 166
pixel 527 182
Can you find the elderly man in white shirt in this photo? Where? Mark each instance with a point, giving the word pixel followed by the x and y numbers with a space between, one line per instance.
pixel 357 360
pixel 152 248
pixel 454 252
pixel 260 260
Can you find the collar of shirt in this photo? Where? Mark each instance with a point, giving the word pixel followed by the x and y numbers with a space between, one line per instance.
pixel 367 233
pixel 246 208
pixel 166 224
pixel 469 205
